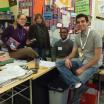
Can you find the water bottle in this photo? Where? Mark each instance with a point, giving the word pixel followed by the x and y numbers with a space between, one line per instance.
pixel 36 61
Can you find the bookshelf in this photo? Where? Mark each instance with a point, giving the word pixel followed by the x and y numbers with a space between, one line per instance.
pixel 5 20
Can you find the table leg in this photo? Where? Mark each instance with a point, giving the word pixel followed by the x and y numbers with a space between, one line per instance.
pixel 12 96
pixel 30 91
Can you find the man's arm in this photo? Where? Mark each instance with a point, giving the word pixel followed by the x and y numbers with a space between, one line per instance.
pixel 73 53
pixel 68 63
pixel 91 62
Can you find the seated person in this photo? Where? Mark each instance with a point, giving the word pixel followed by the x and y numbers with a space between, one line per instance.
pixel 62 47
pixel 14 37
pixel 77 72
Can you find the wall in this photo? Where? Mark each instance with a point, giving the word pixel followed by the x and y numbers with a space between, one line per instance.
pixel 14 9
pixel 38 6
pixel 98 24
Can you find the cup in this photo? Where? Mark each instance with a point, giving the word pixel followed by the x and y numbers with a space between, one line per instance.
pixel 36 61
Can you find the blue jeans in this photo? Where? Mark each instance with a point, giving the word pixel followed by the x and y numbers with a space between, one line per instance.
pixel 67 74
pixel 70 77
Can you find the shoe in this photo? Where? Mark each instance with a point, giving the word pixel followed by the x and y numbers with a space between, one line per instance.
pixel 77 93
pixel 77 85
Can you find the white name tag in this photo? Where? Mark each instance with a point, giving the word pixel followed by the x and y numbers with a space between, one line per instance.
pixel 59 48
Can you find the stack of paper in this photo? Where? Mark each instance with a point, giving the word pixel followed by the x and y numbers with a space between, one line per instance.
pixel 11 72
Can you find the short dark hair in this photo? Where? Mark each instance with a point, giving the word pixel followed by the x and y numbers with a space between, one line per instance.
pixel 82 15
pixel 64 29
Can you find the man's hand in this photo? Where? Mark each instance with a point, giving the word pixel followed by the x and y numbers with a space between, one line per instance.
pixel 68 63
pixel 13 49
pixel 28 42
pixel 80 70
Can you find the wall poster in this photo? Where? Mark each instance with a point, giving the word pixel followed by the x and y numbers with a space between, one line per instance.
pixel 82 6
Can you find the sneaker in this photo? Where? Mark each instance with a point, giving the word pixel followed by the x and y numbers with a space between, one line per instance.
pixel 77 85
pixel 77 93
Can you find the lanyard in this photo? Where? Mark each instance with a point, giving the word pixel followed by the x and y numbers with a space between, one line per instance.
pixel 83 45
pixel 20 34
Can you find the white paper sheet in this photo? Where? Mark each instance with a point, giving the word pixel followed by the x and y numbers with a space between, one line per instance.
pixel 48 64
pixel 25 11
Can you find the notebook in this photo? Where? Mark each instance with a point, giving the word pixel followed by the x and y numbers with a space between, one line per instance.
pixel 4 61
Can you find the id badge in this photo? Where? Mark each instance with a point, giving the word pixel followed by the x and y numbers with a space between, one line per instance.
pixel 60 48
pixel 81 53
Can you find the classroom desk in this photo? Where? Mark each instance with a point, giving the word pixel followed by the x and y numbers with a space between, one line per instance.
pixel 41 71
pixel 19 81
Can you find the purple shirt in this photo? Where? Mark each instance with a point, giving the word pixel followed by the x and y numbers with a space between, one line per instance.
pixel 19 34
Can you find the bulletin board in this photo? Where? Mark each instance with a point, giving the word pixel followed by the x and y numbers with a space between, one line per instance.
pixel 53 13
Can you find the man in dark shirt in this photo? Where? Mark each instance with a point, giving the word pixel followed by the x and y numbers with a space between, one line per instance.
pixel 63 47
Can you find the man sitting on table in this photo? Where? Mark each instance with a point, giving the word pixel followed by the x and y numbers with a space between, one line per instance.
pixel 63 46
pixel 77 72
